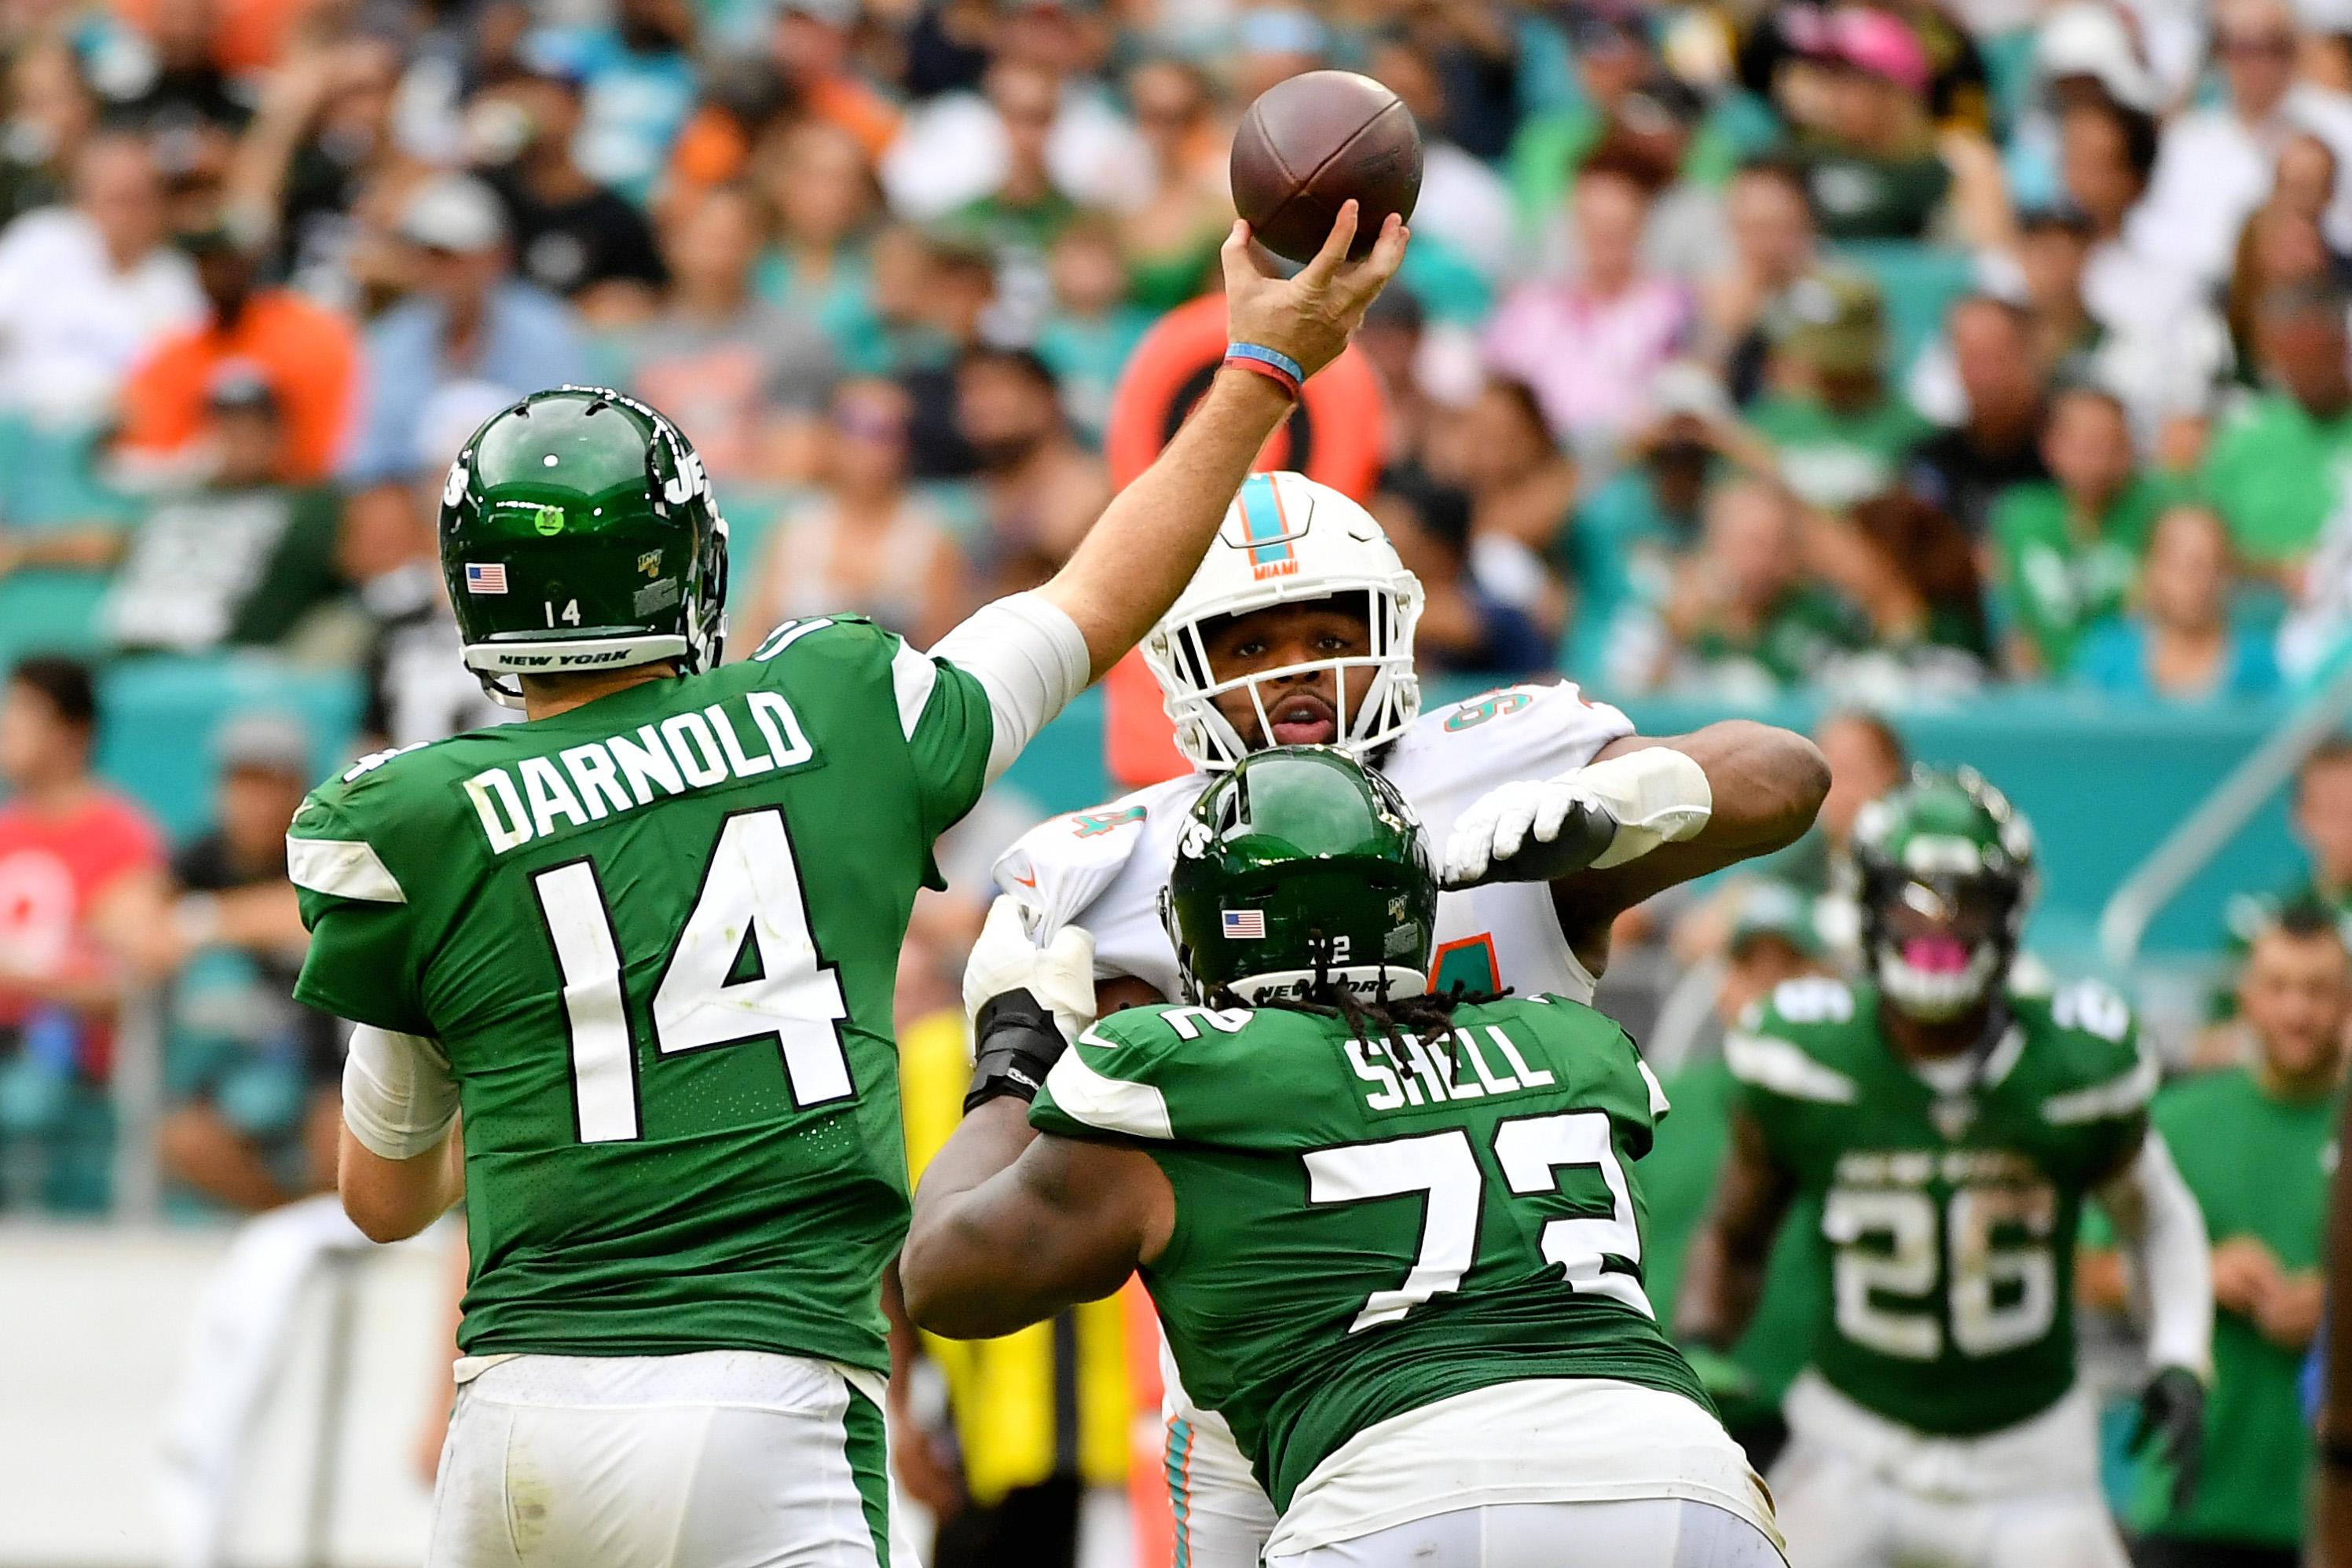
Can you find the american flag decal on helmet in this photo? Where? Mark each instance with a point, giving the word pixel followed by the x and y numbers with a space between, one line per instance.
pixel 1244 925
pixel 486 577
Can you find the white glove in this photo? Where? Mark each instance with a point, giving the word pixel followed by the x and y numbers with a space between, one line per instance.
pixel 1510 820
pixel 1060 974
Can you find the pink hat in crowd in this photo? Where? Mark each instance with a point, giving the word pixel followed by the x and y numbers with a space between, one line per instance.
pixel 1881 44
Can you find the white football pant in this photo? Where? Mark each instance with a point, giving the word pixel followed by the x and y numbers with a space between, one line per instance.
pixel 1624 1532
pixel 717 1459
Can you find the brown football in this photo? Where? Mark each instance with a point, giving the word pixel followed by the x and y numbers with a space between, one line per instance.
pixel 1312 142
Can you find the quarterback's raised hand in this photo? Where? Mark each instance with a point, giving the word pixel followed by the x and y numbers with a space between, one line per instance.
pixel 1308 316
pixel 1530 830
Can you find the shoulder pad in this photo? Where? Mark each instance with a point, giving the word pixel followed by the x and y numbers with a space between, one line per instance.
pixel 328 851
pixel 1061 866
pixel 1532 730
pixel 2089 1028
pixel 839 634
pixel 1775 1045
pixel 1115 1079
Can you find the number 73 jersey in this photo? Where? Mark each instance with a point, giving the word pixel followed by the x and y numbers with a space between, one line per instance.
pixel 657 937
pixel 1367 1226
pixel 1950 1211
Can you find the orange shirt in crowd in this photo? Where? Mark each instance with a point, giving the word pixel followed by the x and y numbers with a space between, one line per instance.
pixel 250 34
pixel 308 354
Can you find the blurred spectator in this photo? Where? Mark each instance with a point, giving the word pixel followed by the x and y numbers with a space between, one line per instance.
pixel 177 92
pixel 1866 758
pixel 1773 244
pixel 1092 327
pixel 1171 236
pixel 88 291
pixel 2275 468
pixel 1937 593
pixel 1613 62
pixel 306 356
pixel 241 561
pixel 322 136
pixel 1040 490
pixel 1838 433
pixel 637 81
pixel 1521 487
pixel 821 184
pixel 1471 53
pixel 2321 818
pixel 1873 163
pixel 1464 209
pixel 261 1102
pixel 2255 1144
pixel 1023 213
pixel 2215 163
pixel 1745 615
pixel 1995 444
pixel 1590 345
pixel 868 545
pixel 1468 627
pixel 78 866
pixel 2178 642
pixel 1620 552
pixel 930 297
pixel 2280 247
pixel 51 111
pixel 468 320
pixel 2070 549
pixel 812 45
pixel 749 379
pixel 956 148
pixel 572 236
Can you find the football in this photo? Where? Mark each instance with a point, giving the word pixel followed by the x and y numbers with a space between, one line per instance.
pixel 1309 144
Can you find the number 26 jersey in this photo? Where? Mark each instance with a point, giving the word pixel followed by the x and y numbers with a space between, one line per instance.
pixel 1948 1208
pixel 657 937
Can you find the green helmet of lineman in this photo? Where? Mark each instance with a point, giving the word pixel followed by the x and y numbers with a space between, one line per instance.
pixel 1301 869
pixel 1945 866
pixel 579 533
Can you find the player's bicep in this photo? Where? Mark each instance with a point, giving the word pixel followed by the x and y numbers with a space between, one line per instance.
pixel 1754 1191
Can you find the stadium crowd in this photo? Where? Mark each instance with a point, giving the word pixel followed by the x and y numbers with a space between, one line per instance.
pixel 1878 351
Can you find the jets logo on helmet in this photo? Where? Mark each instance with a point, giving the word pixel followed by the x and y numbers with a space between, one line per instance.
pixel 1288 540
pixel 1301 869
pixel 593 515
pixel 1945 866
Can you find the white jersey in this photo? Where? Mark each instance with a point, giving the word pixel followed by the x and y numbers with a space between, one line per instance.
pixel 1104 868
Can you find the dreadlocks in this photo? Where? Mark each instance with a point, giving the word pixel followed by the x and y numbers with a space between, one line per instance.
pixel 1426 1016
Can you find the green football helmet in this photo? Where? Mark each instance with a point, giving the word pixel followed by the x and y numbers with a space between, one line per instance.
pixel 579 533
pixel 1945 871
pixel 1300 870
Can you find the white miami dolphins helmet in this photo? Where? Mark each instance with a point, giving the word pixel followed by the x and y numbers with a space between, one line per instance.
pixel 1287 539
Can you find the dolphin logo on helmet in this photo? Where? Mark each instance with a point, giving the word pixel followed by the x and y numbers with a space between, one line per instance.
pixel 1285 540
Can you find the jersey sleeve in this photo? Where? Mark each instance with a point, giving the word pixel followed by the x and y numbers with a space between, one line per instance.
pixel 2111 1079
pixel 361 964
pixel 944 714
pixel 1112 1081
pixel 1059 867
pixel 1527 732
pixel 1779 1075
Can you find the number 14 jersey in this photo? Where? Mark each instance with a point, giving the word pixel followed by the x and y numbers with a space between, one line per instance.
pixel 657 937
pixel 1949 1208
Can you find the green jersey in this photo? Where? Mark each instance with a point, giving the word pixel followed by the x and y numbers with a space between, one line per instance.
pixel 656 937
pixel 2258 1165
pixel 1949 1213
pixel 1365 1228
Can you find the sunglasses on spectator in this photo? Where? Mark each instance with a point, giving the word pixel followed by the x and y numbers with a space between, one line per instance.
pixel 2258 46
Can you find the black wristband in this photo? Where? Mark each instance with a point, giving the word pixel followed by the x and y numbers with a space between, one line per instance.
pixel 1015 1044
pixel 2335 1453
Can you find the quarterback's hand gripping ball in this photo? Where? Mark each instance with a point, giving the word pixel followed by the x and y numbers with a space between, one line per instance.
pixel 1530 830
pixel 1058 972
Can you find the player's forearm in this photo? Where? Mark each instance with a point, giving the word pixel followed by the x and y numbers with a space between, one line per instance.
pixel 2162 1231
pixel 392 1200
pixel 1767 784
pixel 961 1272
pixel 1149 542
pixel 1721 1288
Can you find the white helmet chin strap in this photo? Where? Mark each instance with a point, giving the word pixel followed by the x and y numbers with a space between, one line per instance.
pixel 1937 996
